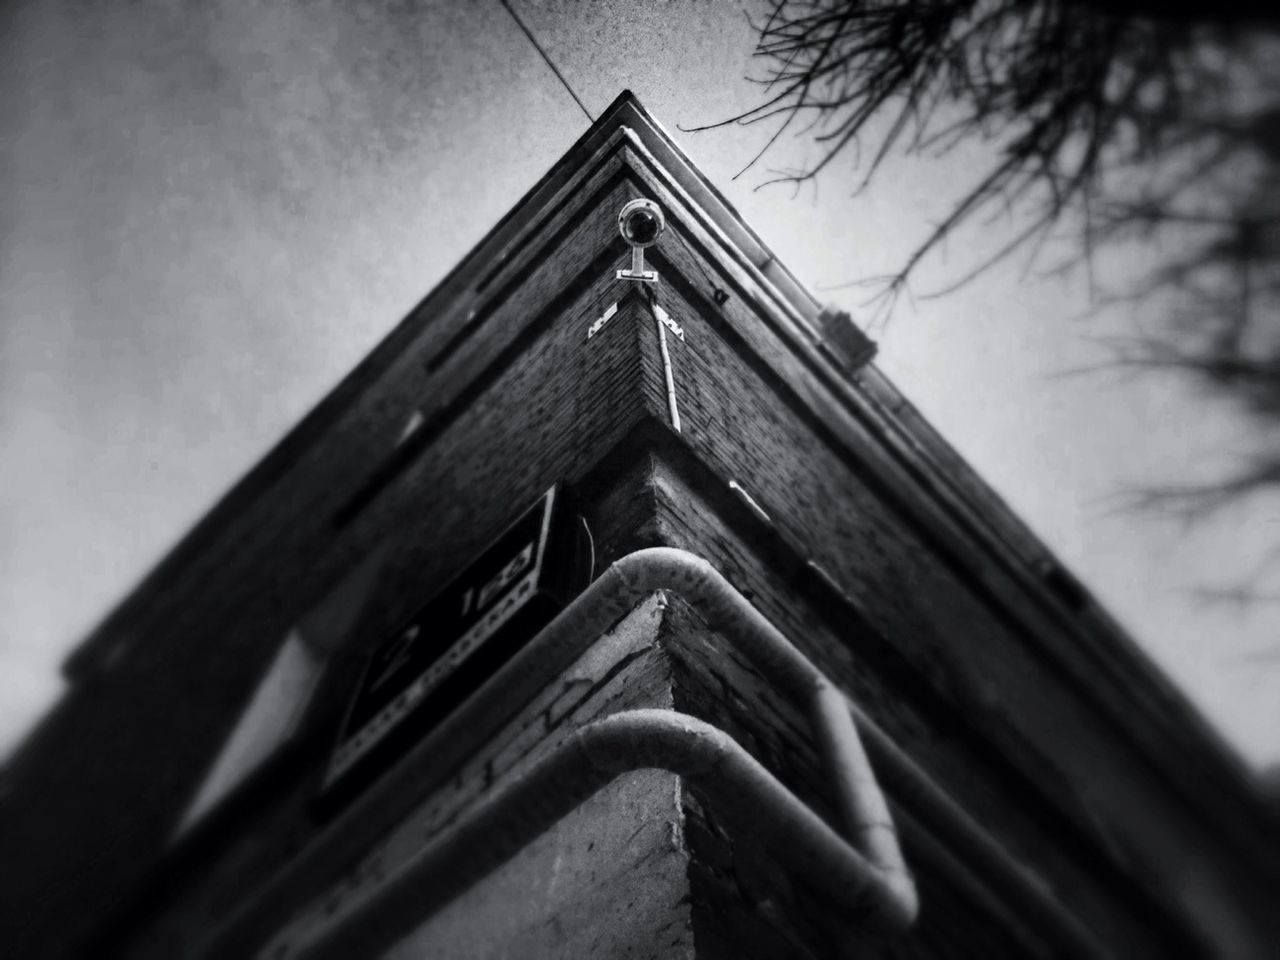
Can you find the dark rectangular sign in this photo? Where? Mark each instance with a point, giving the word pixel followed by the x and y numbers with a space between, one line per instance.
pixel 460 637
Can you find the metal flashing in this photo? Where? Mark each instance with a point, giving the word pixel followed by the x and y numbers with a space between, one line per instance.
pixel 667 322
pixel 601 320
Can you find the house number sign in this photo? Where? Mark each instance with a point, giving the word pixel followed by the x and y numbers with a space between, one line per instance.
pixel 459 638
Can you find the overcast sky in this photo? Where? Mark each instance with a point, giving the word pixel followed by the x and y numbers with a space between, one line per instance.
pixel 212 210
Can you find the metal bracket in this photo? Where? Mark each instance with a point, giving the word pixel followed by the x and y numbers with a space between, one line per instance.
pixel 600 321
pixel 749 500
pixel 667 322
pixel 411 426
pixel 637 271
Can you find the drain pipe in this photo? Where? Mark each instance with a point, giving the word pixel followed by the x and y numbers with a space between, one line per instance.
pixel 734 783
pixel 633 577
pixel 891 895
pixel 860 803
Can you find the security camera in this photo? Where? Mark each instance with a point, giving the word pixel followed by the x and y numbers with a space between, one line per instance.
pixel 641 223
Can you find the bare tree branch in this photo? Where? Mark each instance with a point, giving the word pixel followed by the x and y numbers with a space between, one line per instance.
pixel 1131 120
pixel 1073 91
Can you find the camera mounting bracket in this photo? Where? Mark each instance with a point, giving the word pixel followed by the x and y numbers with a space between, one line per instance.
pixel 637 271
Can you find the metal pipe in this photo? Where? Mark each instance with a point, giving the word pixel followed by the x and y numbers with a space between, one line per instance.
pixel 868 822
pixel 643 572
pixel 741 790
pixel 609 598
pixel 666 372
pixel 724 608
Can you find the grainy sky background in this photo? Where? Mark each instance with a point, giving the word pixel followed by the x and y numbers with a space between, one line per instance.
pixel 212 210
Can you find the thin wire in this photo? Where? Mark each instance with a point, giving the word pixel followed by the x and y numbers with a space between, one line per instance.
pixel 538 47
pixel 591 542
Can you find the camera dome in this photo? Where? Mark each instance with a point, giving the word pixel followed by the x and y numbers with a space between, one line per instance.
pixel 641 222
pixel 641 227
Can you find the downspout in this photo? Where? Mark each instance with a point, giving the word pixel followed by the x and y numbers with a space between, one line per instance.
pixel 859 801
pixel 738 787
pixel 635 576
pixel 861 804
pixel 672 408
